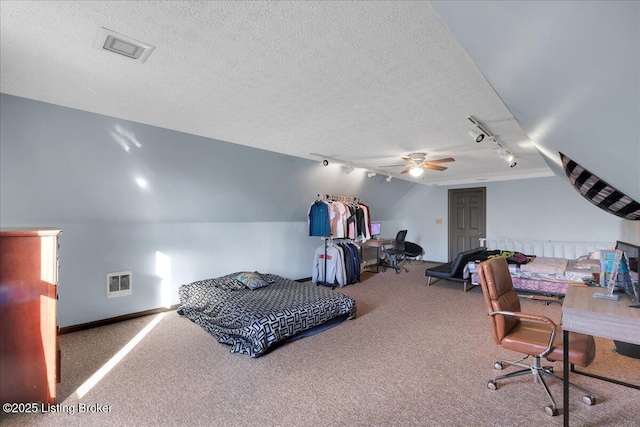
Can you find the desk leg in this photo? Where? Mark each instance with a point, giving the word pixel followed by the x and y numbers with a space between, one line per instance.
pixel 610 380
pixel 565 379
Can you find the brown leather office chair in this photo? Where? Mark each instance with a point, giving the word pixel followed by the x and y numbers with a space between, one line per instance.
pixel 532 334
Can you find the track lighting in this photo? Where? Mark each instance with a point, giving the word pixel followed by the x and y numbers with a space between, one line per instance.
pixel 416 171
pixel 506 155
pixel 346 165
pixel 480 132
pixel 478 136
pixel 388 178
pixel 498 147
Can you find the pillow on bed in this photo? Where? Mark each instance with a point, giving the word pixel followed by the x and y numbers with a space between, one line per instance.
pixel 546 265
pixel 252 280
pixel 228 283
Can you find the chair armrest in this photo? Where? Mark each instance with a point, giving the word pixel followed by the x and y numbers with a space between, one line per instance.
pixel 535 318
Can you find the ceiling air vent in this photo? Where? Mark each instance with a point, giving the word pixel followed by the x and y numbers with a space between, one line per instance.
pixel 122 45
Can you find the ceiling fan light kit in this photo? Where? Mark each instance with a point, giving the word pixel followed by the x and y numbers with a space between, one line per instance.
pixel 417 163
pixel 416 171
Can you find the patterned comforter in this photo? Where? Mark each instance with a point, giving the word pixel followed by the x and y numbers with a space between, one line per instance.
pixel 539 276
pixel 251 321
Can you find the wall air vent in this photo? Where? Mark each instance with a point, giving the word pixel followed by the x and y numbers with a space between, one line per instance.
pixel 118 284
pixel 122 45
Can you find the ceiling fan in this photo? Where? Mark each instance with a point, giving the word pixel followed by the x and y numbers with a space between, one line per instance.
pixel 416 163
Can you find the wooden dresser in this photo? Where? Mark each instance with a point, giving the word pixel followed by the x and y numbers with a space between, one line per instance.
pixel 29 356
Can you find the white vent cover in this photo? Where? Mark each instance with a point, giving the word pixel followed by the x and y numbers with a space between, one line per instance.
pixel 119 284
pixel 122 45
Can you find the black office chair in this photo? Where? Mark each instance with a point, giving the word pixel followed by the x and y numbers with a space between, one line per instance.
pixel 413 251
pixel 396 253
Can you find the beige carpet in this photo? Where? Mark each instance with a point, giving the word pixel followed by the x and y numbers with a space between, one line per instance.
pixel 414 356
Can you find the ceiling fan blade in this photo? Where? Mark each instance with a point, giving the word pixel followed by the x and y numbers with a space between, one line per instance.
pixel 448 159
pixel 434 167
pixel 407 159
pixel 391 166
pixel 407 169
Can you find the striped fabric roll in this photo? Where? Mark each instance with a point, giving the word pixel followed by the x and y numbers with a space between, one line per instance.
pixel 599 192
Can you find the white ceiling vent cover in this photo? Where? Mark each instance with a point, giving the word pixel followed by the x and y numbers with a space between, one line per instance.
pixel 122 45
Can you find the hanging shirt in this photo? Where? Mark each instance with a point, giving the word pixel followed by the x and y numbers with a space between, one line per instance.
pixel 341 223
pixel 333 218
pixel 351 222
pixel 367 222
pixel 330 262
pixel 319 219
pixel 360 224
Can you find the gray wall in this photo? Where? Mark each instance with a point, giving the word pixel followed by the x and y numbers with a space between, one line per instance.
pixel 536 209
pixel 211 208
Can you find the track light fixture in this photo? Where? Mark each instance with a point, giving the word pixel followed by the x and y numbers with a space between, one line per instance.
pixel 346 165
pixel 480 132
pixel 478 136
pixel 505 154
pixel 388 178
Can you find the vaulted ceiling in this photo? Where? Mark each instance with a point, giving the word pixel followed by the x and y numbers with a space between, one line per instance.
pixel 358 82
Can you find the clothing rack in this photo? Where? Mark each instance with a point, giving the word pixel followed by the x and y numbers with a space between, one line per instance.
pixel 327 239
pixel 334 198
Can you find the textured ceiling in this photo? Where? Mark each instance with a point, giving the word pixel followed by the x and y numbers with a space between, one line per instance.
pixel 362 82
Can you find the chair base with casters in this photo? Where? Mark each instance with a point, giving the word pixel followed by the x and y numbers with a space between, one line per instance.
pixel 530 334
pixel 539 373
pixel 394 263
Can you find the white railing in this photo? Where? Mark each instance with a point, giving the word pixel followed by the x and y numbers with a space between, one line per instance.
pixel 545 248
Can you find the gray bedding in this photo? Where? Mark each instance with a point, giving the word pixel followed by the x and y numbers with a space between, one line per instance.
pixel 252 321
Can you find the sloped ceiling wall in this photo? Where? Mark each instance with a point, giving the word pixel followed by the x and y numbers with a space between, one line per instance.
pixel 568 71
pixel 61 165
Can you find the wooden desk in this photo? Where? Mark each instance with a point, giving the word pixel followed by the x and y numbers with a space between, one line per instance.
pixel 376 244
pixel 583 313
